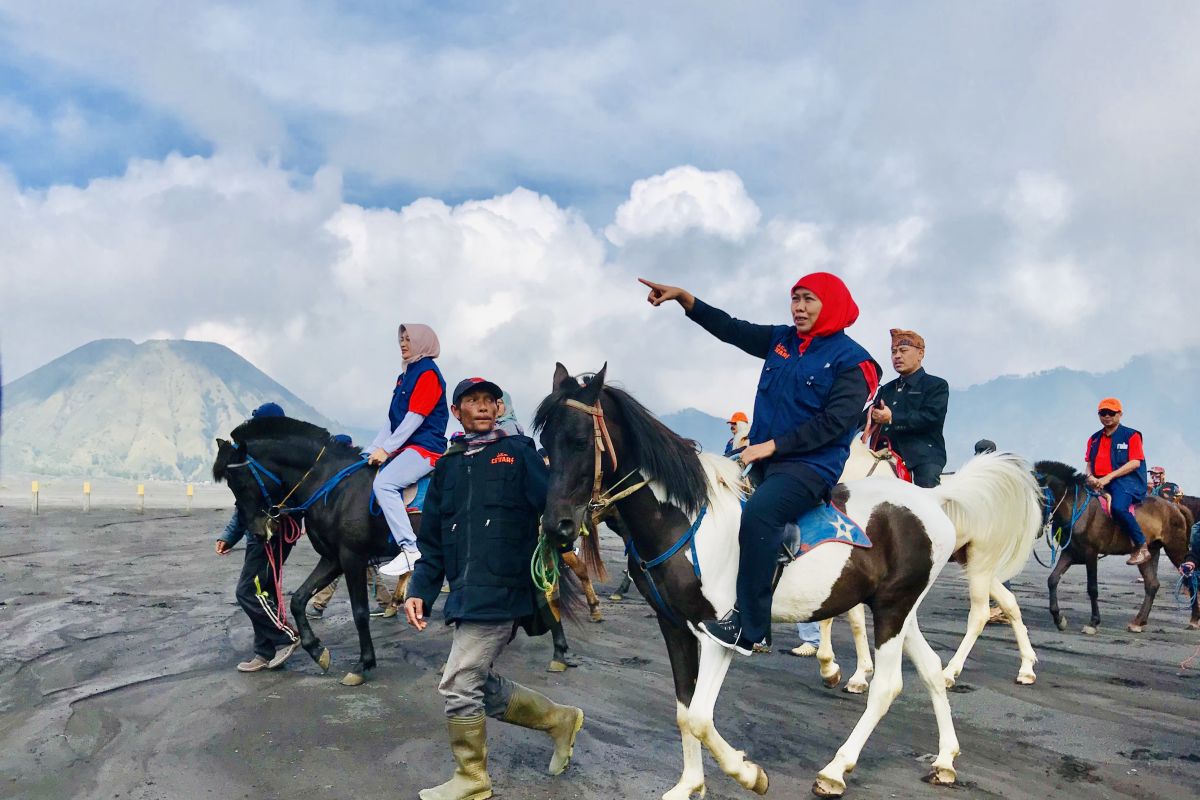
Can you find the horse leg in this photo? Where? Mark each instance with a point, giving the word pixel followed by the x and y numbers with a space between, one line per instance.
pixel 1064 563
pixel 714 663
pixel 857 617
pixel 684 653
pixel 1008 604
pixel 1093 589
pixel 831 780
pixel 356 582
pixel 831 673
pixel 321 576
pixel 580 569
pixel 929 667
pixel 1149 572
pixel 978 584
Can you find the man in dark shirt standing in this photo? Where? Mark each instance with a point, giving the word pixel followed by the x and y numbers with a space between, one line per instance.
pixel 479 531
pixel 911 410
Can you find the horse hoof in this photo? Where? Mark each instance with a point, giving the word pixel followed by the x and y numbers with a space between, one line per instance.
pixel 597 616
pixel 1133 627
pixel 1193 626
pixel 324 661
pixel 681 792
pixel 833 680
pixel 556 666
pixel 761 782
pixel 389 612
pixel 1027 680
pixel 856 687
pixel 1061 623
pixel 1090 630
pixel 950 679
pixel 943 776
pixel 352 679
pixel 825 787
pixel 614 597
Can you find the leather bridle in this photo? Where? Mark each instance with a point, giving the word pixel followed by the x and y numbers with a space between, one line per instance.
pixel 601 502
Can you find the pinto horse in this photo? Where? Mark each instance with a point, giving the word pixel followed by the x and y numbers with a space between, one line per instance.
pixel 990 548
pixel 274 461
pixel 1085 532
pixel 681 511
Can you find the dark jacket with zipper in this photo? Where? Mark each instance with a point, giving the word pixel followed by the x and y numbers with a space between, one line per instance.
pixel 479 529
pixel 919 403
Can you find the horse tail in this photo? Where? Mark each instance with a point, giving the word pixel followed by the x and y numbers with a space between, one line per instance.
pixel 996 508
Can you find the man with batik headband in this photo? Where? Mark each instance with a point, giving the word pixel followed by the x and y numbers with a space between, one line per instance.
pixel 479 531
pixel 911 410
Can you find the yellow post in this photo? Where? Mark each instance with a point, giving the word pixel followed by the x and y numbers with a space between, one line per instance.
pixel 141 498
pixel 87 496
pixel 34 505
pixel 190 491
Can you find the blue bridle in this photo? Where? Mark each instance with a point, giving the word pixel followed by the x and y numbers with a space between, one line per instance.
pixel 687 540
pixel 322 493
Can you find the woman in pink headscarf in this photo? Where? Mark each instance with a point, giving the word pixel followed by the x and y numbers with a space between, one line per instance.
pixel 413 440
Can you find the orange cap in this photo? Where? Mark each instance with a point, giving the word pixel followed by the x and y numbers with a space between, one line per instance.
pixel 1110 403
pixel 739 416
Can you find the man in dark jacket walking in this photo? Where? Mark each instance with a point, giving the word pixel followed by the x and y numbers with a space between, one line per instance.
pixel 911 410
pixel 479 531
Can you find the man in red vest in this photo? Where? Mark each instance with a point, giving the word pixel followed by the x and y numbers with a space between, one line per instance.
pixel 1116 463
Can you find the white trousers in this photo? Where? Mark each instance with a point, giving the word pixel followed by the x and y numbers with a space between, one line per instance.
pixel 401 472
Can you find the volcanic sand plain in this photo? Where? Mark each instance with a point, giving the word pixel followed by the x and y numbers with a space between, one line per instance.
pixel 119 634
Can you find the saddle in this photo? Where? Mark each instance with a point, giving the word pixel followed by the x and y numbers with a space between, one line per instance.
pixel 823 524
pixel 1106 504
pixel 414 496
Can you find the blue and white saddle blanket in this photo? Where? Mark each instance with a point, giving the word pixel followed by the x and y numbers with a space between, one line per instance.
pixel 818 526
pixel 414 496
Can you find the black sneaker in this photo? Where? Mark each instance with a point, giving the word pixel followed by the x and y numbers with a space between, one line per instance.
pixel 727 632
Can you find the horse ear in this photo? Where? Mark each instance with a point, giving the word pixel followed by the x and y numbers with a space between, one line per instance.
pixel 222 442
pixel 591 392
pixel 561 376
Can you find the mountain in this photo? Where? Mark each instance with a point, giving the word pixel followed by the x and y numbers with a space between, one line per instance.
pixel 149 410
pixel 1050 415
pixel 711 432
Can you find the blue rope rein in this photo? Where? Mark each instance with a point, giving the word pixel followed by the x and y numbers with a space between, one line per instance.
pixel 1052 538
pixel 687 540
pixel 1191 582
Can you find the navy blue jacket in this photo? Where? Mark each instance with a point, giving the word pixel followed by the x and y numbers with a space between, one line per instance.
pixel 479 530
pixel 1194 548
pixel 431 435
pixel 809 399
pixel 1135 482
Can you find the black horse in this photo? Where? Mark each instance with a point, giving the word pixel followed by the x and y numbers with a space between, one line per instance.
pixel 344 527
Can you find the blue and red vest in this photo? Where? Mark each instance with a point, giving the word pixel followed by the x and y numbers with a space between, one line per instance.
pixel 431 435
pixel 1134 482
pixel 793 388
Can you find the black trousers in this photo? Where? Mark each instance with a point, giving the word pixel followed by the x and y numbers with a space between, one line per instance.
pixel 267 635
pixel 781 498
pixel 927 475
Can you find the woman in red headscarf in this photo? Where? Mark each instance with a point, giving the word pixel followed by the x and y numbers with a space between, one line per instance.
pixel 814 385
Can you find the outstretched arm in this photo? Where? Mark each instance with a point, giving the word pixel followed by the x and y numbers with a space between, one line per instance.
pixel 753 339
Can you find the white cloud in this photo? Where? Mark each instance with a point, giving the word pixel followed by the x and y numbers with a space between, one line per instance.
pixel 682 199
pixel 1038 200
pixel 16 118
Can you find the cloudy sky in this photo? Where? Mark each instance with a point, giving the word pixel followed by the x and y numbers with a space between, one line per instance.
pixel 1017 181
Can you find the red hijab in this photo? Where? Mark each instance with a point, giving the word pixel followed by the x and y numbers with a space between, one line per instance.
pixel 838 309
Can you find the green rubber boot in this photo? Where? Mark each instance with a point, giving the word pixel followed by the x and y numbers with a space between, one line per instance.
pixel 529 709
pixel 468 743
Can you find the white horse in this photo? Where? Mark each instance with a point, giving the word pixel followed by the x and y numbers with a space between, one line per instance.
pixel 995 542
pixel 686 564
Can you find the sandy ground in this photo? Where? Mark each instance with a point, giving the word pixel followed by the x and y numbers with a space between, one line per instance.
pixel 119 632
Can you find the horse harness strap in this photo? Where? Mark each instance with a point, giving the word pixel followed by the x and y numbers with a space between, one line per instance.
pixel 602 501
pixel 280 508
pixel 687 540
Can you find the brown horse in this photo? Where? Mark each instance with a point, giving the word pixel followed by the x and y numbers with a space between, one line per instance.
pixel 1086 532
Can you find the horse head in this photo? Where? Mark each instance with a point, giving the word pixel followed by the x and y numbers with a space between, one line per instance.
pixel 568 432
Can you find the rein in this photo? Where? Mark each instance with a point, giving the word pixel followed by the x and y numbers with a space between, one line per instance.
pixel 1077 512
pixel 603 501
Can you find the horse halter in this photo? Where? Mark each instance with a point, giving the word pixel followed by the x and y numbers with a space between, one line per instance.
pixel 602 501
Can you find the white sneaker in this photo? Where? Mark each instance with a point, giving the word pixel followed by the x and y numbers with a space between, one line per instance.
pixel 401 564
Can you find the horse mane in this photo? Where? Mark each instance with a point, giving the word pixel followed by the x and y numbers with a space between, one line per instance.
pixel 651 447
pixel 277 428
pixel 1063 472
